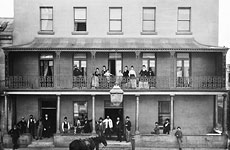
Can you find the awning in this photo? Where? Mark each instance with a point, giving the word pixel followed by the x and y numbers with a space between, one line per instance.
pixel 115 44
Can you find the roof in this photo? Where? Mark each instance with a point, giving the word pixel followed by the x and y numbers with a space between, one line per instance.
pixel 116 44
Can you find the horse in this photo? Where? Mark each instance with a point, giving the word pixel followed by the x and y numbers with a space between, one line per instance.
pixel 87 144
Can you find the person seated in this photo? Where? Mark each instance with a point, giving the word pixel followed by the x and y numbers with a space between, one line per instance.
pixel 156 130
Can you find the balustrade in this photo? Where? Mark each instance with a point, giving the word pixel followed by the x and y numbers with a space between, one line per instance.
pixel 145 83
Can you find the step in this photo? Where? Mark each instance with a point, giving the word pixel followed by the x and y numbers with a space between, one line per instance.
pixel 41 144
pixel 140 148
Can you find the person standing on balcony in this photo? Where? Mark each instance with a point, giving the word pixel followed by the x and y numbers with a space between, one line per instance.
pixel 103 70
pixel 132 75
pixel 166 127
pixel 31 126
pixel 126 76
pixel 22 125
pixel 119 77
pixel 179 136
pixel 143 79
pixel 151 75
pixel 108 127
pixel 77 72
pixel 127 129
pixel 65 126
pixel 95 78
pixel 46 126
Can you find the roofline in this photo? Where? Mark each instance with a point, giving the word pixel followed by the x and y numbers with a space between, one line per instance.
pixel 224 49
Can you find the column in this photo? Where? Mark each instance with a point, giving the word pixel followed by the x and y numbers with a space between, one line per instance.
pixel 172 79
pixel 58 113
pixel 58 55
pixel 215 111
pixel 5 124
pixel 137 115
pixel 172 111
pixel 93 113
pixel 224 121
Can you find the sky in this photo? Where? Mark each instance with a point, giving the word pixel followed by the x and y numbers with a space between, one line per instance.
pixel 6 10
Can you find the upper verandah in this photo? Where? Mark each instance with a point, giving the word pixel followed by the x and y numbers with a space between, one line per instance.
pixel 116 44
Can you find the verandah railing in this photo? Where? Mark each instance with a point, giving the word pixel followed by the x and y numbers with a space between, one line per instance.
pixel 70 82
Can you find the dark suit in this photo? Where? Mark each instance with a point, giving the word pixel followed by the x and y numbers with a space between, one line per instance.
pixel 118 130
pixel 166 128
pixel 46 128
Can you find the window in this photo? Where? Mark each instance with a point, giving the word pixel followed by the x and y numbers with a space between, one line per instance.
pixel 80 110
pixel 184 19
pixel 46 70
pixel 115 19
pixel 183 69
pixel 80 19
pixel 79 63
pixel 149 60
pixel 163 111
pixel 46 18
pixel 148 19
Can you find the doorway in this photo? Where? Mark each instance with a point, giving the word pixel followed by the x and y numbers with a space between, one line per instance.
pixel 115 63
pixel 49 107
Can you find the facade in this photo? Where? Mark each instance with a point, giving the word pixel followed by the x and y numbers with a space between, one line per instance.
pixel 6 39
pixel 58 46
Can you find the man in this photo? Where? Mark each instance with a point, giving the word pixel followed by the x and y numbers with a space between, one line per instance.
pixel 118 129
pixel 127 129
pixel 166 127
pixel 31 126
pixel 65 126
pixel 14 132
pixel 46 126
pixel 100 128
pixel 39 128
pixel 179 136
pixel 22 125
pixel 108 127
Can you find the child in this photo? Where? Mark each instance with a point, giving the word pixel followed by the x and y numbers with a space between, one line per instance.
pixel 179 136
pixel 156 129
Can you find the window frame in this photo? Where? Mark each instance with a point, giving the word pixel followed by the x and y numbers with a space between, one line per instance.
pixel 115 19
pixel 80 60
pixel 75 20
pixel 183 62
pixel 161 113
pixel 79 114
pixel 46 7
pixel 148 62
pixel 183 20
pixel 154 19
pixel 48 59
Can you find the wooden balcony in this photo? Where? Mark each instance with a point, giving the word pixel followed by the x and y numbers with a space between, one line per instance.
pixel 105 83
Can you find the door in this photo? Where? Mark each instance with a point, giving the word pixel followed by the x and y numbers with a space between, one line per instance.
pixel 49 107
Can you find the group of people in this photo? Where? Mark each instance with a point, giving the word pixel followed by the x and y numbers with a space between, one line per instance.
pixel 40 128
pixel 80 125
pixel 166 130
pixel 127 73
pixel 106 127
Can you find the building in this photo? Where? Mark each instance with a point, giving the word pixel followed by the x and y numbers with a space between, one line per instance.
pixel 176 39
pixel 6 39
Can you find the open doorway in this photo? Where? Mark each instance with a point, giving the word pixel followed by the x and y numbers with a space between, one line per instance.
pixel 115 63
pixel 49 106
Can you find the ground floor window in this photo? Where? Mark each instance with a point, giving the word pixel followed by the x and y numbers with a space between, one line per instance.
pixel 163 111
pixel 80 111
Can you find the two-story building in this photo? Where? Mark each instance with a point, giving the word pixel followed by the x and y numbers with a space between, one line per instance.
pixel 58 46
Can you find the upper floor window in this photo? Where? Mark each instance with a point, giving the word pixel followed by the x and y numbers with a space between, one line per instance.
pixel 184 19
pixel 46 70
pixel 148 19
pixel 46 18
pixel 183 70
pixel 79 64
pixel 115 19
pixel 80 19
pixel 149 60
